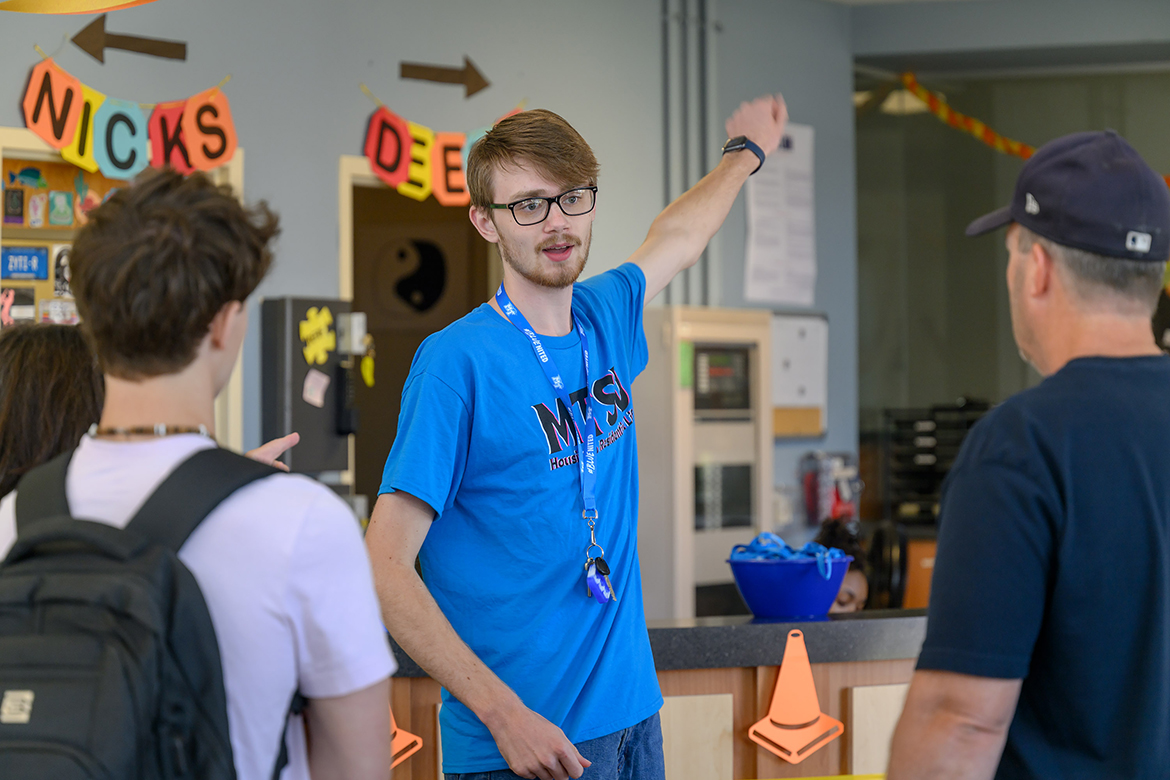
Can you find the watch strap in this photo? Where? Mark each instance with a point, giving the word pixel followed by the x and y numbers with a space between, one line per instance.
pixel 741 142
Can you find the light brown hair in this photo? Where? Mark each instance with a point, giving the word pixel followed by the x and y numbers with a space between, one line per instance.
pixel 51 391
pixel 156 263
pixel 538 138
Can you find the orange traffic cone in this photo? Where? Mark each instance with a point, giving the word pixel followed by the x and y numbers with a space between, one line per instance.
pixel 403 744
pixel 795 727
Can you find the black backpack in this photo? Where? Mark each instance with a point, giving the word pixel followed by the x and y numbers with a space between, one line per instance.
pixel 109 666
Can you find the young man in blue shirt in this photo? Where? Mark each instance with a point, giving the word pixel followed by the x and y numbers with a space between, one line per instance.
pixel 514 473
pixel 1047 651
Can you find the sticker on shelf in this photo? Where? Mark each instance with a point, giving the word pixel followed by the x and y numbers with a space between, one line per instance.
pixel 62 275
pixel 23 308
pixel 58 311
pixel 24 262
pixel 13 206
pixel 61 208
pixel 37 206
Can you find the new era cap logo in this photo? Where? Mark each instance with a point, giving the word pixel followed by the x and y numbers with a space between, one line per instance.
pixel 16 707
pixel 1138 242
pixel 1030 204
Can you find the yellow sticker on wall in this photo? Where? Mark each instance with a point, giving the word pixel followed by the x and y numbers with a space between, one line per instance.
pixel 317 333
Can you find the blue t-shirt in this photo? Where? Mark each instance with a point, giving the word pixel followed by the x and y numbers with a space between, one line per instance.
pixel 483 439
pixel 1053 566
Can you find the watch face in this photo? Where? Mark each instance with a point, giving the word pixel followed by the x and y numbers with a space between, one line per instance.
pixel 735 144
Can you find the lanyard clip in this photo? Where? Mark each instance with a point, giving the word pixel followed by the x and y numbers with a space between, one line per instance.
pixel 592 537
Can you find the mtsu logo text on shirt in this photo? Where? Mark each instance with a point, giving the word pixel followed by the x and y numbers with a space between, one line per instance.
pixel 561 430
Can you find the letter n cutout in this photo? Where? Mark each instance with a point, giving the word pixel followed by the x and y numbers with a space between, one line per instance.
pixel 52 104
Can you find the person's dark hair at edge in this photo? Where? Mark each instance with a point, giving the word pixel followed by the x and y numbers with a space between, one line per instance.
pixel 157 261
pixel 51 391
pixel 834 533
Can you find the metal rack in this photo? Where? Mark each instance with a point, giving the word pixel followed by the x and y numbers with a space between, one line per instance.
pixel 919 448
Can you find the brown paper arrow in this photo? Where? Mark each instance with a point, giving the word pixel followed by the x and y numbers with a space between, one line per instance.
pixel 94 40
pixel 469 76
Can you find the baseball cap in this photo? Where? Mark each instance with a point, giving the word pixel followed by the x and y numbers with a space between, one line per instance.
pixel 1090 191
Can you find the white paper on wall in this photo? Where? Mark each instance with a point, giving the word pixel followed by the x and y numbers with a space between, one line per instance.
pixel 781 262
pixel 800 361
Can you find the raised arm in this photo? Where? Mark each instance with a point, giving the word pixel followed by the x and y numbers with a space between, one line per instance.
pixel 953 726
pixel 532 746
pixel 679 234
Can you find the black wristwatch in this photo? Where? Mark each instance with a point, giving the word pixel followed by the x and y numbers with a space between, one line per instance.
pixel 741 142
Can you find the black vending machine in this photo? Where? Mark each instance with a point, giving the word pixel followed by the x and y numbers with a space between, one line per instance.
pixel 306 380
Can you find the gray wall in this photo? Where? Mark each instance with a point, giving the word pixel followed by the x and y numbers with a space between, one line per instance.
pixel 294 92
pixel 296 67
pixel 802 49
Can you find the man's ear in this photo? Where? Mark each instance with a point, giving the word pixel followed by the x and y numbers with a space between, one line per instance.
pixel 482 219
pixel 1041 270
pixel 223 323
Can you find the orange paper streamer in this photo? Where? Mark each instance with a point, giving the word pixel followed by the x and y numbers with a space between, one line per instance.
pixel 968 124
pixel 57 7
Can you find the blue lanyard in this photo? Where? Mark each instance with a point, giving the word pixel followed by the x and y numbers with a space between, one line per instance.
pixel 586 444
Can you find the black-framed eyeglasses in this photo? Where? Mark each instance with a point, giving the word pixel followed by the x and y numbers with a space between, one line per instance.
pixel 533 211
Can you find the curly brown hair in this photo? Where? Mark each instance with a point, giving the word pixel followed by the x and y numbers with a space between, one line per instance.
pixel 51 391
pixel 537 137
pixel 155 264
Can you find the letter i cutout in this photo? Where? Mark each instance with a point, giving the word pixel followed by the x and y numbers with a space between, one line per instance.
pixel 795 727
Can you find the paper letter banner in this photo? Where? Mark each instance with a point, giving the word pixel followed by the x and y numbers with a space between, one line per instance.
pixel 387 146
pixel 79 151
pixel 450 187
pixel 418 172
pixel 52 104
pixel 417 161
pixel 469 142
pixel 120 145
pixel 208 129
pixel 167 145
pixel 96 132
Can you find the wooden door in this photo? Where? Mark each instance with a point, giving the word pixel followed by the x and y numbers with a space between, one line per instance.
pixel 418 267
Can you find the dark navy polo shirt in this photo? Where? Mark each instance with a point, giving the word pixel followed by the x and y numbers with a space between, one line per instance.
pixel 1053 566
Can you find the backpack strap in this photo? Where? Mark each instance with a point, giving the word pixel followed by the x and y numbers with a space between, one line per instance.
pixel 40 494
pixel 191 492
pixel 296 707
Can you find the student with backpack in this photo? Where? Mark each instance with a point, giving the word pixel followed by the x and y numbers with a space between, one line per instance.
pixel 165 604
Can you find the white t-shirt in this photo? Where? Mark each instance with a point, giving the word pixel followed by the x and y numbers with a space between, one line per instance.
pixel 287 581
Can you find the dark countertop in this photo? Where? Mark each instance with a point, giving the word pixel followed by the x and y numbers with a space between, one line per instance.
pixel 721 642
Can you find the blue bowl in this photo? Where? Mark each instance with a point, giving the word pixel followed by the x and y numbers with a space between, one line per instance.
pixel 788 589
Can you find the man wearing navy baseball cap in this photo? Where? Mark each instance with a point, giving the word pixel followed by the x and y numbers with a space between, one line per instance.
pixel 1047 651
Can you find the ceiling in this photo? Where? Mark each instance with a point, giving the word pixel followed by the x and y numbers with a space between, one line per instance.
pixel 889 2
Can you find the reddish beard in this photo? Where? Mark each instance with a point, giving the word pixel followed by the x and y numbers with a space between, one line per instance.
pixel 557 277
